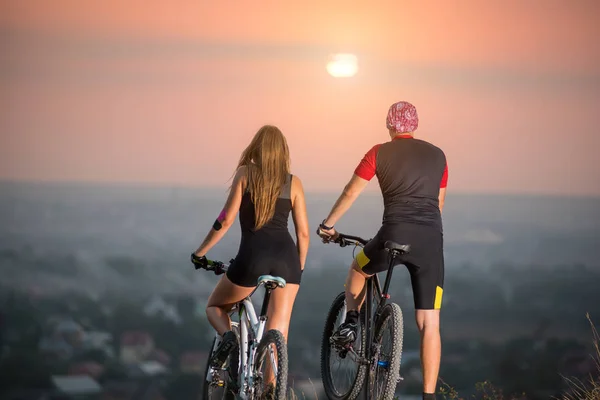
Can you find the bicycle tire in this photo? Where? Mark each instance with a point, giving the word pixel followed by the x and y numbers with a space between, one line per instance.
pixel 328 385
pixel 276 338
pixel 232 366
pixel 391 373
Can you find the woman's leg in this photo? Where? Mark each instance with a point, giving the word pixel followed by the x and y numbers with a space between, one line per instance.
pixel 280 308
pixel 220 302
pixel 279 314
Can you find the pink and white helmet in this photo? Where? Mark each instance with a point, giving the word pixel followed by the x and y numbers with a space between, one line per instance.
pixel 402 117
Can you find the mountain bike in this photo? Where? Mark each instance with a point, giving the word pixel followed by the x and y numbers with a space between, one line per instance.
pixel 372 366
pixel 242 374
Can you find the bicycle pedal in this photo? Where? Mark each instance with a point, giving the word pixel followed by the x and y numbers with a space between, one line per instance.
pixel 217 381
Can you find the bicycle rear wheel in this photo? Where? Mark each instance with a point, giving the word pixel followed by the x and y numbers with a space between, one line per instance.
pixel 342 372
pixel 271 359
pixel 221 383
pixel 387 344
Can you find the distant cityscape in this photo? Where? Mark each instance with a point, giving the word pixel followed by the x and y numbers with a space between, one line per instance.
pixel 78 358
pixel 156 348
pixel 98 299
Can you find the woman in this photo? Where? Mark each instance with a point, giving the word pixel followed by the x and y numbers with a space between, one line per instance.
pixel 264 192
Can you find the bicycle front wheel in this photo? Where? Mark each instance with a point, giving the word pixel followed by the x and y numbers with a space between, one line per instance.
pixel 388 338
pixel 271 367
pixel 342 370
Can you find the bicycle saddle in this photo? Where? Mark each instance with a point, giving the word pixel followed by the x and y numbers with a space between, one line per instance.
pixel 400 248
pixel 272 280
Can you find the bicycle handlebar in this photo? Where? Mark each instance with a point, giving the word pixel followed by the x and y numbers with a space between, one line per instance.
pixel 344 240
pixel 218 267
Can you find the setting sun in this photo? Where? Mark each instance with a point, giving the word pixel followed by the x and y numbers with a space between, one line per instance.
pixel 342 65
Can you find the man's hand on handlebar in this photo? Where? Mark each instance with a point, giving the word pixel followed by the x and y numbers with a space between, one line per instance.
pixel 327 235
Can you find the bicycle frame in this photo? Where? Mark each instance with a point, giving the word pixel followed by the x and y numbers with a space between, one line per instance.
pixel 251 332
pixel 370 321
pixel 374 293
pixel 252 329
pixel 381 299
pixel 373 284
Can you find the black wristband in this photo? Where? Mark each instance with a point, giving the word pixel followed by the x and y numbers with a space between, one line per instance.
pixel 323 226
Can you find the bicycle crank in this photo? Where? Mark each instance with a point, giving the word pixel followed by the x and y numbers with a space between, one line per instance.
pixel 216 380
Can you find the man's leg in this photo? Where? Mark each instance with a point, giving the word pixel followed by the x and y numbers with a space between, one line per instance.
pixel 355 295
pixel 428 322
pixel 355 287
pixel 426 268
pixel 367 262
pixel 370 260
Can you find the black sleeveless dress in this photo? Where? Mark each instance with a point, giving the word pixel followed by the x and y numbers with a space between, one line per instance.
pixel 270 250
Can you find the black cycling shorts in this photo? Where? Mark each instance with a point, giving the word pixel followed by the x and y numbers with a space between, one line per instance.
pixel 247 276
pixel 425 261
pixel 261 254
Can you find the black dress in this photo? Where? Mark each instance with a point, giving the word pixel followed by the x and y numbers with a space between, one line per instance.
pixel 270 250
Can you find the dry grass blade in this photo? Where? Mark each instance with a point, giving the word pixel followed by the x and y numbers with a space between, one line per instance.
pixel 590 390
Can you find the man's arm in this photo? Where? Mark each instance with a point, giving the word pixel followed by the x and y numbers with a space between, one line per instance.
pixel 442 198
pixel 364 172
pixel 443 185
pixel 348 196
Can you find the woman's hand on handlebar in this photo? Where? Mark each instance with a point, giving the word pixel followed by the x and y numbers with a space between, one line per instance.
pixel 199 261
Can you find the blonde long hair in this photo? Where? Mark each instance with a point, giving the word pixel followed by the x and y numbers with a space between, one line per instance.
pixel 267 161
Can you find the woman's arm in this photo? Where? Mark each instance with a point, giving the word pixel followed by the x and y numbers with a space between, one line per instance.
pixel 227 216
pixel 300 219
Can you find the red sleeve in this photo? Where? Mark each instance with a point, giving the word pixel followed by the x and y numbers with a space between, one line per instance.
pixel 444 182
pixel 368 165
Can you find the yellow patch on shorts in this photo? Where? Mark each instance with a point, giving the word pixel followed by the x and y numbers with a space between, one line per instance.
pixel 437 304
pixel 362 259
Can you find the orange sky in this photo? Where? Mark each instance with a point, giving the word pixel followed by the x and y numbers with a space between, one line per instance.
pixel 171 92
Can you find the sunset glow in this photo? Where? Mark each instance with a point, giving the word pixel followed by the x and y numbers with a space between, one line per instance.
pixel 105 91
pixel 342 65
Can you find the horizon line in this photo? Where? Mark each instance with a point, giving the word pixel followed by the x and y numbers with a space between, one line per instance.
pixel 224 188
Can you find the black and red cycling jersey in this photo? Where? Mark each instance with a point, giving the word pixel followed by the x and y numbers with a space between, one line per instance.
pixel 410 173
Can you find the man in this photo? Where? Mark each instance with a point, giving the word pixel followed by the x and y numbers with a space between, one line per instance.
pixel 412 174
